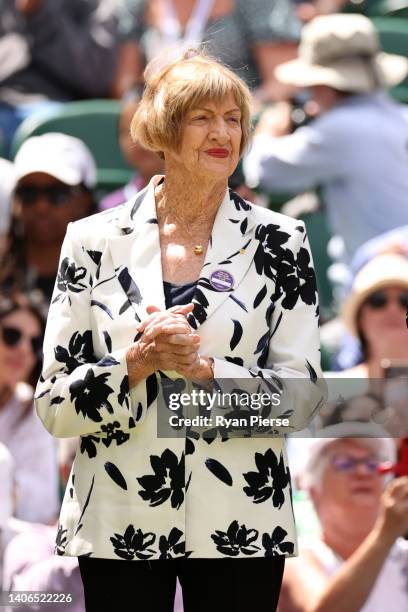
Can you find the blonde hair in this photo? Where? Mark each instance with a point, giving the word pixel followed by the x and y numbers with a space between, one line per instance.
pixel 179 87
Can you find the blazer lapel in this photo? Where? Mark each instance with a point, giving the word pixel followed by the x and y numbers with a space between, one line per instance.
pixel 137 258
pixel 229 255
pixel 136 254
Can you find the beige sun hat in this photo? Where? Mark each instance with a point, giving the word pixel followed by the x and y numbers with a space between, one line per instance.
pixel 344 52
pixel 382 271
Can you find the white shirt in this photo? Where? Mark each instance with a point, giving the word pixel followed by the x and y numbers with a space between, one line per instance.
pixel 34 452
pixel 390 591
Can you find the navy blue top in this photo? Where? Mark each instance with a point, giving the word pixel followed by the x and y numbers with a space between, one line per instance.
pixel 178 295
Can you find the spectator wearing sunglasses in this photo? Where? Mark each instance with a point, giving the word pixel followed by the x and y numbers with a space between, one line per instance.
pixel 32 448
pixel 395 241
pixel 359 559
pixel 375 312
pixel 56 174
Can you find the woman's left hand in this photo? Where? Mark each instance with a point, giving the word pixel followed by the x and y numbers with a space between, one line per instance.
pixel 201 369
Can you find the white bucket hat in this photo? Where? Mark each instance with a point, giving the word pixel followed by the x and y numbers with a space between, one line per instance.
pixel 64 157
pixel 382 271
pixel 343 51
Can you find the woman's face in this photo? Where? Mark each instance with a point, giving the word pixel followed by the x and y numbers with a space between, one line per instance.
pixel 211 140
pixel 382 316
pixel 351 484
pixel 47 206
pixel 19 331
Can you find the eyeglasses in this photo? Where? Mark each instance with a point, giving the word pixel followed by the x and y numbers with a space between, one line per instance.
pixel 380 299
pixel 57 195
pixel 346 463
pixel 12 336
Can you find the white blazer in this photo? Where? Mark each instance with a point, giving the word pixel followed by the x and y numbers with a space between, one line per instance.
pixel 133 495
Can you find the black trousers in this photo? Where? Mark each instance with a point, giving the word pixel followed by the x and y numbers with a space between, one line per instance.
pixel 208 585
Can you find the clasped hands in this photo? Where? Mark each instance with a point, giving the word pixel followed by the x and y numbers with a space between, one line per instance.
pixel 167 342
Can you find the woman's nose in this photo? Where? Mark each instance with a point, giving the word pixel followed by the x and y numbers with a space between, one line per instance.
pixel 394 311
pixel 219 130
pixel 42 205
pixel 25 348
pixel 362 469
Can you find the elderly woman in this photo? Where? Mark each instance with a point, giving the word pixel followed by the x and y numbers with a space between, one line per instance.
pixel 186 281
pixel 358 560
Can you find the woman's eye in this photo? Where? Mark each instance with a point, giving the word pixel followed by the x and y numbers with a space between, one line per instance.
pixel 199 118
pixel 234 119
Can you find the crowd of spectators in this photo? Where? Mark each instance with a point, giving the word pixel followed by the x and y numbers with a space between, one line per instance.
pixel 350 147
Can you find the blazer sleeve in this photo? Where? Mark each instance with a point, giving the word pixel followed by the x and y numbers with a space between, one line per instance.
pixel 77 394
pixel 292 341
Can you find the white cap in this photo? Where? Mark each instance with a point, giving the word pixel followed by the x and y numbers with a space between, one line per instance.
pixel 64 157
pixel 7 183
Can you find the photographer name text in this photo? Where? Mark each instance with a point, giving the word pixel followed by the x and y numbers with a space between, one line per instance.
pixel 253 420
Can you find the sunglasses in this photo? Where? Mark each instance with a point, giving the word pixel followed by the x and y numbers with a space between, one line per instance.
pixel 346 463
pixel 12 336
pixel 379 299
pixel 57 195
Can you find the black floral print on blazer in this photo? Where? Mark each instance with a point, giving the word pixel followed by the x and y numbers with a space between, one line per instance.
pixel 132 495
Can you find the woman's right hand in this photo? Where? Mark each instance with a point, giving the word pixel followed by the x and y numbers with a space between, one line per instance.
pixel 166 342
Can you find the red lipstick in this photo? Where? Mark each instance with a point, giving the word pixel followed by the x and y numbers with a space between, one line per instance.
pixel 221 153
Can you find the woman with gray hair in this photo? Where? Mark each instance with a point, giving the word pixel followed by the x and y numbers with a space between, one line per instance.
pixel 188 283
pixel 359 559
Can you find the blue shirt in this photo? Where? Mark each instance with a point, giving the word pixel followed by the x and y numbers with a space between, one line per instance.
pixel 357 152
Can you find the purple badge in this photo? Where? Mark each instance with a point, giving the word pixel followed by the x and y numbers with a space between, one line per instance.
pixel 221 280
